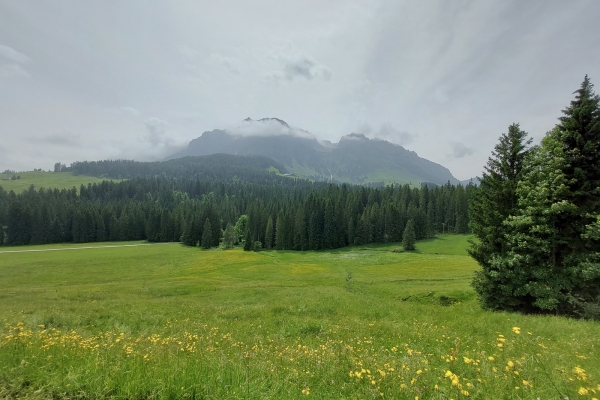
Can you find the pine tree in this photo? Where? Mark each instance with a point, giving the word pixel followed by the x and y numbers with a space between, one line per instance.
pixel 269 234
pixel 248 244
pixel 491 205
pixel 280 232
pixel 207 234
pixel 408 239
pixel 300 237
pixel 228 236
pixel 550 261
pixel 554 251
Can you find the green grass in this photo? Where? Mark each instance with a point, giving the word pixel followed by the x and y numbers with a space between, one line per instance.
pixel 168 321
pixel 47 180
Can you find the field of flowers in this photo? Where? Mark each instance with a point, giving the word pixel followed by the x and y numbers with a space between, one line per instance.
pixel 174 322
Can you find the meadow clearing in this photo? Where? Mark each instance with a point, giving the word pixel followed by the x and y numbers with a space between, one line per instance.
pixel 47 180
pixel 175 322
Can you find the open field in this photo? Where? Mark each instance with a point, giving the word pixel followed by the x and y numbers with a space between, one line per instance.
pixel 47 180
pixel 360 322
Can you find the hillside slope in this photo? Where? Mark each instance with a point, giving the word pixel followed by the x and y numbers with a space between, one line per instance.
pixel 354 159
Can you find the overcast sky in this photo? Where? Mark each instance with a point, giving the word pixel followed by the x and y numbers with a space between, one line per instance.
pixel 89 80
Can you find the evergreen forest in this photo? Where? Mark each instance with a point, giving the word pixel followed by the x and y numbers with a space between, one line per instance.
pixel 195 199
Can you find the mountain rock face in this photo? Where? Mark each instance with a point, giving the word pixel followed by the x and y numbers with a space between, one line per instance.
pixel 354 159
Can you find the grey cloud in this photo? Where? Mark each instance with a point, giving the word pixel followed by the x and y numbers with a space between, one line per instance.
pixel 232 64
pixel 460 150
pixel 388 132
pixel 64 139
pixel 10 61
pixel 13 70
pixel 456 71
pixel 11 54
pixel 307 68
pixel 131 110
pixel 189 54
pixel 267 127
pixel 291 64
pixel 157 129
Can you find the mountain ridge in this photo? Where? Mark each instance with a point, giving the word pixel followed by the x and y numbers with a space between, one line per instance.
pixel 354 158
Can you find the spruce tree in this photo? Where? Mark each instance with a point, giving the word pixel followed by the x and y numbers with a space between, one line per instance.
pixel 408 238
pixel 554 250
pixel 269 234
pixel 228 236
pixel 248 243
pixel 280 232
pixel 206 235
pixel 495 200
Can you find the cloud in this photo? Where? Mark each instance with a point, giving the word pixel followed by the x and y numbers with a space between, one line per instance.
pixel 388 132
pixel 267 127
pixel 291 64
pixel 187 53
pixel 459 150
pixel 13 70
pixel 10 61
pixel 232 64
pixel 157 132
pixel 64 139
pixel 11 54
pixel 131 110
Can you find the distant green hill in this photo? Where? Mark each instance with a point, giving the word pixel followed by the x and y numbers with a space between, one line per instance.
pixel 355 159
pixel 43 179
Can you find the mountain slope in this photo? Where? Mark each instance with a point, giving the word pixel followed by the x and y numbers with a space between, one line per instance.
pixel 355 159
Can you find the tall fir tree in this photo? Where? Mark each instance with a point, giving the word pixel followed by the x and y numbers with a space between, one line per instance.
pixel 228 236
pixel 490 207
pixel 409 237
pixel 554 251
pixel 270 234
pixel 206 241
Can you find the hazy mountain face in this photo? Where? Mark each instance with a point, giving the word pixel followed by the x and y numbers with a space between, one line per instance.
pixel 354 159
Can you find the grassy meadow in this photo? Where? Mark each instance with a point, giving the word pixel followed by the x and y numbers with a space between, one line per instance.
pixel 46 180
pixel 174 322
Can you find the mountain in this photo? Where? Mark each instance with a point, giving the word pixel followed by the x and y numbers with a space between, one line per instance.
pixel 475 181
pixel 354 159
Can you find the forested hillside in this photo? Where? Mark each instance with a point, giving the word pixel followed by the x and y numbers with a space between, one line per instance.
pixel 216 167
pixel 196 202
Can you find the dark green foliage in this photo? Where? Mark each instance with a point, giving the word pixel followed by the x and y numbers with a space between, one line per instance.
pixel 207 239
pixel 285 214
pixel 248 240
pixel 489 207
pixel 539 246
pixel 270 234
pixel 409 237
pixel 228 237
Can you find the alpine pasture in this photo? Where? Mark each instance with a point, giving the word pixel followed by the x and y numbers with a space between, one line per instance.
pixel 175 322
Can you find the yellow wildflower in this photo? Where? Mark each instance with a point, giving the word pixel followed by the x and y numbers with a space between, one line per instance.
pixel 516 330
pixel 582 391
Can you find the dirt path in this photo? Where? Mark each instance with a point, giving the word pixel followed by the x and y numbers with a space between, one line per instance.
pixel 86 247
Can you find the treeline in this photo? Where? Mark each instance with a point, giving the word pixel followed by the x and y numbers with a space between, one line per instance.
pixel 215 167
pixel 293 214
